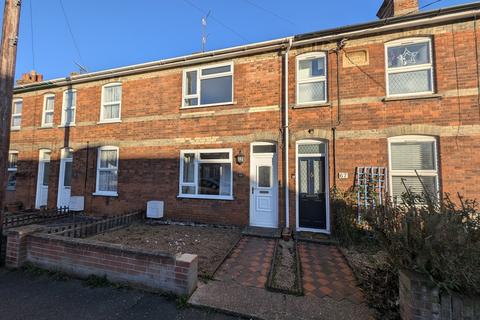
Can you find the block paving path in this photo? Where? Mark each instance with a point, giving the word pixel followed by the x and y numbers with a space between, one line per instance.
pixel 249 263
pixel 326 273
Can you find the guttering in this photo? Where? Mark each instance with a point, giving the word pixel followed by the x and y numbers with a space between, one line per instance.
pixel 287 134
pixel 198 58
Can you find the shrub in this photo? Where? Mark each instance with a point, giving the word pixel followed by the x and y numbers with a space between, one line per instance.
pixel 345 226
pixel 438 238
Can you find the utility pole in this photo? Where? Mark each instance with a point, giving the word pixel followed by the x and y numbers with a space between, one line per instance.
pixel 8 57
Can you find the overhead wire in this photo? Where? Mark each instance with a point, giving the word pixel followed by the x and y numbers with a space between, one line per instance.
pixel 273 13
pixel 69 27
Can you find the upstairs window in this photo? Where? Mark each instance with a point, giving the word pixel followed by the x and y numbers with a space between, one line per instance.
pixel 207 86
pixel 206 174
pixel 111 102
pixel 413 166
pixel 409 67
pixel 69 107
pixel 17 114
pixel 312 78
pixel 12 170
pixel 48 107
pixel 107 171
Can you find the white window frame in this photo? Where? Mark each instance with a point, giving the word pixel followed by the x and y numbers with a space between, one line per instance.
pixel 103 104
pixel 45 98
pixel 197 161
pixel 97 180
pixel 9 169
pixel 14 114
pixel 411 173
pixel 310 56
pixel 420 67
pixel 64 110
pixel 198 95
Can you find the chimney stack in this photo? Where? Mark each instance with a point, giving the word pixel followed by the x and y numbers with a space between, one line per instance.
pixel 30 77
pixel 396 8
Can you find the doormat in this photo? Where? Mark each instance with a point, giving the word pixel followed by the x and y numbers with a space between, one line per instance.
pixel 285 271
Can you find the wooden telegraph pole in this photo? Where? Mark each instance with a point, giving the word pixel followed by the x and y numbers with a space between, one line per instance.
pixel 8 57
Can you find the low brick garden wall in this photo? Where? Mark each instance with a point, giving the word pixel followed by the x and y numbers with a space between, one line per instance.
pixel 84 257
pixel 420 299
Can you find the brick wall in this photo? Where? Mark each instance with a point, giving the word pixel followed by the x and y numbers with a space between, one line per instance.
pixel 420 299
pixel 154 128
pixel 80 257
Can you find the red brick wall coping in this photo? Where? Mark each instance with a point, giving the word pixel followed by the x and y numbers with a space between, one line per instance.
pixel 158 271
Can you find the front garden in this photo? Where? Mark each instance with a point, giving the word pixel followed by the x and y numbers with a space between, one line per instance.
pixel 437 240
pixel 210 244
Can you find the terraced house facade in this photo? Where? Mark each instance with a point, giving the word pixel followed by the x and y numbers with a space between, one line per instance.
pixel 259 134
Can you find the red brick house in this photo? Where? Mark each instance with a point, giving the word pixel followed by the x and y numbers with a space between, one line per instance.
pixel 259 134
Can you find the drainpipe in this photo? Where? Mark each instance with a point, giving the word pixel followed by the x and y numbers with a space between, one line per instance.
pixel 287 138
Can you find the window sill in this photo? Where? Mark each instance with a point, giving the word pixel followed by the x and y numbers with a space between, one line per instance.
pixel 205 197
pixel 225 104
pixel 67 125
pixel 47 127
pixel 15 129
pixel 312 105
pixel 105 194
pixel 413 97
pixel 109 121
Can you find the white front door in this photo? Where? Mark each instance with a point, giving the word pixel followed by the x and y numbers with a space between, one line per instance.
pixel 263 186
pixel 42 179
pixel 65 178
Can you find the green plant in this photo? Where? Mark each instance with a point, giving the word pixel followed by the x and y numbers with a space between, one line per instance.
pixel 439 238
pixel 181 301
pixel 94 281
pixel 345 225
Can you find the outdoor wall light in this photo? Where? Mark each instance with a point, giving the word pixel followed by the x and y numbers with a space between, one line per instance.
pixel 240 158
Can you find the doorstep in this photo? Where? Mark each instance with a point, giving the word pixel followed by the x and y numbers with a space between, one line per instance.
pixel 274 233
pixel 315 238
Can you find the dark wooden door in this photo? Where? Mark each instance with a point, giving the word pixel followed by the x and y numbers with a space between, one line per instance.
pixel 312 193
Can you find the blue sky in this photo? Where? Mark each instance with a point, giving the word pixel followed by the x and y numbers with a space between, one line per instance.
pixel 114 33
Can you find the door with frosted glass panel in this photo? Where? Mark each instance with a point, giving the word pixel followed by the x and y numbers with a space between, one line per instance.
pixel 312 193
pixel 65 178
pixel 263 189
pixel 42 179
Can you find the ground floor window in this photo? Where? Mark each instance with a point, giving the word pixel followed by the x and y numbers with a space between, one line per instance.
pixel 413 166
pixel 12 170
pixel 107 171
pixel 206 173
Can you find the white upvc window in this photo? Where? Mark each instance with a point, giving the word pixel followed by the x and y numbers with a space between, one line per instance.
pixel 48 110
pixel 208 86
pixel 413 166
pixel 206 174
pixel 107 171
pixel 311 78
pixel 12 170
pixel 409 67
pixel 69 107
pixel 111 102
pixel 17 107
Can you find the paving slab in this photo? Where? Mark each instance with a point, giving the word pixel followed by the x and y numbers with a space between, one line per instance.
pixel 261 304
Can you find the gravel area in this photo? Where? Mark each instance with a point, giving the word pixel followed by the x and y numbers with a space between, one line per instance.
pixel 209 243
